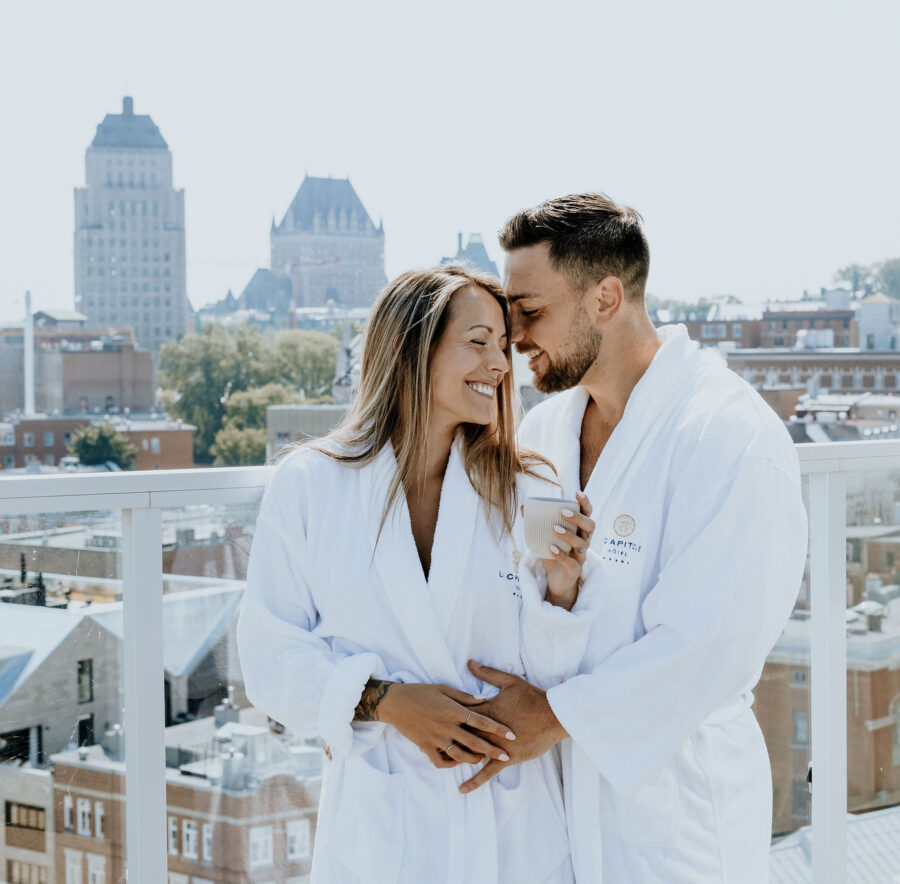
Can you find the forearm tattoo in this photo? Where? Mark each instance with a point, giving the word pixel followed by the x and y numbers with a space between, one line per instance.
pixel 372 695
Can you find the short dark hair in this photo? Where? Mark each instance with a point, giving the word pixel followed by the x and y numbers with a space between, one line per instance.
pixel 590 237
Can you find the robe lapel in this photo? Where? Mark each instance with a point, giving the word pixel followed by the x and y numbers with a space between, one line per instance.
pixel 454 542
pixel 397 561
pixel 654 396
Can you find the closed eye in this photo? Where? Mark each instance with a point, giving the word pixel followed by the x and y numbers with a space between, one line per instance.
pixel 528 312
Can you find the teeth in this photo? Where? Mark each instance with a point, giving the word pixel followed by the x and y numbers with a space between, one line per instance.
pixel 484 389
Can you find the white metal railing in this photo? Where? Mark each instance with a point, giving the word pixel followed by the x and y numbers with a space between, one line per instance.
pixel 140 496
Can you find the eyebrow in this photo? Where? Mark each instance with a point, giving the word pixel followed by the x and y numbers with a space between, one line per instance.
pixel 482 325
pixel 521 296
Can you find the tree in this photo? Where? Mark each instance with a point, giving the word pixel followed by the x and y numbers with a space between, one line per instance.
pixel 247 408
pixel 887 277
pixel 202 370
pixel 857 277
pixel 99 443
pixel 304 360
pixel 235 447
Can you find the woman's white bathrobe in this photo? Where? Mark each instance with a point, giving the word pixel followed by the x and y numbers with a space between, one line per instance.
pixel 327 607
pixel 702 535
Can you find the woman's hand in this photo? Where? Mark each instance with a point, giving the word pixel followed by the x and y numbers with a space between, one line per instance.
pixel 569 552
pixel 437 719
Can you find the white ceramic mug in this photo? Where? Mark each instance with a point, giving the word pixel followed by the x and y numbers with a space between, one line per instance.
pixel 541 515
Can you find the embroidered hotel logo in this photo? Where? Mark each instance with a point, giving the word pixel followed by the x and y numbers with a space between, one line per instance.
pixel 624 525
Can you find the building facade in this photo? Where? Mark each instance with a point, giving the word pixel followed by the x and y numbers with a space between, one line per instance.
pixel 328 247
pixel 129 232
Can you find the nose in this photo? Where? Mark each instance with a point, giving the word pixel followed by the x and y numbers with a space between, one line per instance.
pixel 516 330
pixel 498 361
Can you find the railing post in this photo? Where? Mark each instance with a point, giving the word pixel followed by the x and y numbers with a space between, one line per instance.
pixel 828 674
pixel 145 754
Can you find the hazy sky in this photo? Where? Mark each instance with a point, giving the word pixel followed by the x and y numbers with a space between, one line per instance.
pixel 758 140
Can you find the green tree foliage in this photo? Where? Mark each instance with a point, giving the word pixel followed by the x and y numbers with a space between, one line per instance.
pixel 857 277
pixel 247 409
pixel 99 443
pixel 235 447
pixel 202 373
pixel 887 277
pixel 303 360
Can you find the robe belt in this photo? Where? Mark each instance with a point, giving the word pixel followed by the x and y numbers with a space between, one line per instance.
pixel 731 711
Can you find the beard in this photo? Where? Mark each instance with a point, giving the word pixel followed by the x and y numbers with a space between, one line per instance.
pixel 572 364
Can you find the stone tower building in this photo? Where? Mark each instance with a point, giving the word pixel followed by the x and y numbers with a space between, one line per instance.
pixel 129 232
pixel 328 247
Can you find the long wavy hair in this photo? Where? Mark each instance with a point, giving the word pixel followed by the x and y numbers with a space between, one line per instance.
pixel 393 402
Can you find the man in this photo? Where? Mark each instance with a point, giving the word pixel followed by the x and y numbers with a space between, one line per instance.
pixel 701 533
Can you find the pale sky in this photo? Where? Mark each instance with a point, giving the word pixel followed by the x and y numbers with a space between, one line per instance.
pixel 758 140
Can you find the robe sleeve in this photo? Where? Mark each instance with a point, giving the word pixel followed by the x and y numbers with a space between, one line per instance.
pixel 553 639
pixel 732 558
pixel 289 672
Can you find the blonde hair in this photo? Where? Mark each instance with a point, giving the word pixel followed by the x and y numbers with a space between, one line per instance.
pixel 393 402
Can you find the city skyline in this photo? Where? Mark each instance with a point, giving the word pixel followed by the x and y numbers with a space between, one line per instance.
pixel 735 133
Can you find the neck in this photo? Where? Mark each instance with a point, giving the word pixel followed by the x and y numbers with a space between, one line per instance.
pixel 437 454
pixel 625 355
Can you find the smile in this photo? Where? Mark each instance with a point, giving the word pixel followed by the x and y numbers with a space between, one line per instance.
pixel 483 389
pixel 534 356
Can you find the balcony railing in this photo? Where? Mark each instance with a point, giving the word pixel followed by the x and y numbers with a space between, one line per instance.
pixel 141 498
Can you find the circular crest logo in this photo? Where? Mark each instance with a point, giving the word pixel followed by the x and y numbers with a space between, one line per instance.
pixel 624 525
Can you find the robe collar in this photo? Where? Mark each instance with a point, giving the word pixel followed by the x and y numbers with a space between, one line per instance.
pixel 655 395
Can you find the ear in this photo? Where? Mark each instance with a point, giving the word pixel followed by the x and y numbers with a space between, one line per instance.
pixel 604 300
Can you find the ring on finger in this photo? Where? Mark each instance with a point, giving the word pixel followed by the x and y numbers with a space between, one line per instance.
pixel 447 750
pixel 468 716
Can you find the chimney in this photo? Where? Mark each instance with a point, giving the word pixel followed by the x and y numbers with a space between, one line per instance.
pixel 233 770
pixel 459 243
pixel 29 356
pixel 114 742
pixel 128 106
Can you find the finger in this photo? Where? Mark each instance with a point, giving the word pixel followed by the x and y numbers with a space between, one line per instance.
pixel 563 538
pixel 496 677
pixel 461 696
pixel 488 726
pixel 458 753
pixel 481 747
pixel 438 759
pixel 585 503
pixel 584 525
pixel 491 769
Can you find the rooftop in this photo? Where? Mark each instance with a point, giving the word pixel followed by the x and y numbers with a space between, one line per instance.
pixel 317 197
pixel 128 130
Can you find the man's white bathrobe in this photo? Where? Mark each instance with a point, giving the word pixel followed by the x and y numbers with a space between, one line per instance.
pixel 702 535
pixel 330 604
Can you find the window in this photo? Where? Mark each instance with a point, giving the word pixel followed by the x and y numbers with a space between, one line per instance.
pixel 736 330
pixel 177 878
pixel 801 728
pixel 98 819
pixel 800 802
pixel 96 869
pixel 68 825
pixel 24 816
pixel 707 331
pixel 26 873
pixel 48 440
pixel 9 461
pixel 298 839
pixel 189 839
pixel 73 866
pixel 260 846
pixel 85 681
pixel 49 460
pixel 870 342
pixel 84 817
pixel 28 440
pixel 800 677
pixel 154 445
pixel 173 836
pixel 207 842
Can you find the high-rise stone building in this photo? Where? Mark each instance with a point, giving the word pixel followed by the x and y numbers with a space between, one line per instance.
pixel 328 247
pixel 129 232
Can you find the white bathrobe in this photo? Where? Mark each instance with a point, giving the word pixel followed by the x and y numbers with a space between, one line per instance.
pixel 327 607
pixel 702 535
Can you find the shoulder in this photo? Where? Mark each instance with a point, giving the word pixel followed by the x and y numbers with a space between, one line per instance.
pixel 301 473
pixel 725 419
pixel 544 416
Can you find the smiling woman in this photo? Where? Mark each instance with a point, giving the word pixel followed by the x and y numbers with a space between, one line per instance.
pixel 378 572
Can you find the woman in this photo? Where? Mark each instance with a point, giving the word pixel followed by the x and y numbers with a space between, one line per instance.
pixel 385 557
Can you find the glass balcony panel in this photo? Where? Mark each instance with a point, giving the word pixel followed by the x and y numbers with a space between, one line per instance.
pixel 242 792
pixel 62 744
